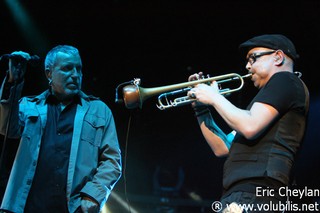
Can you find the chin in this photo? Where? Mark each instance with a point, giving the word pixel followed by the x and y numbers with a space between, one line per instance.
pixel 71 93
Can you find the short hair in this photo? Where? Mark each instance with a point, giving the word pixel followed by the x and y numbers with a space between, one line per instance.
pixel 52 54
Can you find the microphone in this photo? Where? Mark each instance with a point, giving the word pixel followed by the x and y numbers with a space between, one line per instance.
pixel 33 60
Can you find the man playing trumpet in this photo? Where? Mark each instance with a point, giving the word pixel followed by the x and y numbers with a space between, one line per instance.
pixel 267 134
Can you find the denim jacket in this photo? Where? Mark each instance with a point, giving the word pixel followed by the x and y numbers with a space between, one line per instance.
pixel 95 158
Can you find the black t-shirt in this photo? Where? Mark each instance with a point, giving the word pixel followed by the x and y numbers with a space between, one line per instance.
pixel 284 91
pixel 271 155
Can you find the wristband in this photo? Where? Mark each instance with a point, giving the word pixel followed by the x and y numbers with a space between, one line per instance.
pixel 201 111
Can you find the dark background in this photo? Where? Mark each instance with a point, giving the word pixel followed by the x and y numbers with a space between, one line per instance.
pixel 163 42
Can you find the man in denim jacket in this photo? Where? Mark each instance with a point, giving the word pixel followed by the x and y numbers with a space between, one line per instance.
pixel 69 157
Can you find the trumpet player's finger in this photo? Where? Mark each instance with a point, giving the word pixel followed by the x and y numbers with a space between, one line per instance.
pixel 192 94
pixel 215 85
pixel 193 77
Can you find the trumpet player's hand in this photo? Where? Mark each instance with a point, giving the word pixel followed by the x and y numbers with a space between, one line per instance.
pixel 204 94
pixel 195 76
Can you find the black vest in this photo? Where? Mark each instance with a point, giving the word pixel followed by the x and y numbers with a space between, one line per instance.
pixel 273 153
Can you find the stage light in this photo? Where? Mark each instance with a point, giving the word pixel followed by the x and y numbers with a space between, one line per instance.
pixel 27 26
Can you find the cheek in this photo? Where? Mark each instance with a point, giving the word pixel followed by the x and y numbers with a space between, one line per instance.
pixel 59 76
pixel 261 71
pixel 263 74
pixel 59 79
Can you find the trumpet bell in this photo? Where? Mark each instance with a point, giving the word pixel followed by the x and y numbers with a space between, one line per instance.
pixel 132 97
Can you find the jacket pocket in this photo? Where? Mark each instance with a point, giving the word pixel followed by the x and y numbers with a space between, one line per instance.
pixel 92 130
pixel 31 126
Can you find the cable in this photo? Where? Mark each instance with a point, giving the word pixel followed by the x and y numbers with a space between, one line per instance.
pixel 125 164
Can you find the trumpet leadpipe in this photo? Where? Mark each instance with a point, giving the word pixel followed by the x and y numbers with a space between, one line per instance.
pixel 234 78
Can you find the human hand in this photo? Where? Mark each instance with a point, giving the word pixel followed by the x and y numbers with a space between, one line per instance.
pixel 18 65
pixel 195 76
pixel 89 205
pixel 204 94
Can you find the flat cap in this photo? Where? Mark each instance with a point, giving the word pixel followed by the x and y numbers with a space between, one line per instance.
pixel 272 41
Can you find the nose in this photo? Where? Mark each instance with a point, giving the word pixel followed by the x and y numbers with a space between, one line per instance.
pixel 75 72
pixel 248 66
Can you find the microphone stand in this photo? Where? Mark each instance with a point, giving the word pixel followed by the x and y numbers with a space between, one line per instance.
pixel 2 166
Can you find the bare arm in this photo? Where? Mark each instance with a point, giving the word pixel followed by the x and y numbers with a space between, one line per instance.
pixel 218 141
pixel 249 123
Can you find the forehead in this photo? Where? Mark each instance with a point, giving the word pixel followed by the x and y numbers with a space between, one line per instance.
pixel 72 58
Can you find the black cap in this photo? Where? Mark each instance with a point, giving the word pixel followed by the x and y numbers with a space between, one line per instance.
pixel 272 41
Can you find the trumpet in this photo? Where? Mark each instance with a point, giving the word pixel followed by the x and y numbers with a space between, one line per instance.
pixel 134 95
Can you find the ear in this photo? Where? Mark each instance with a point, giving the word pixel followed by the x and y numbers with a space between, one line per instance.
pixel 48 73
pixel 279 57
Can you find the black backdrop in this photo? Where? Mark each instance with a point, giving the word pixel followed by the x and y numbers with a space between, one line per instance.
pixel 163 42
